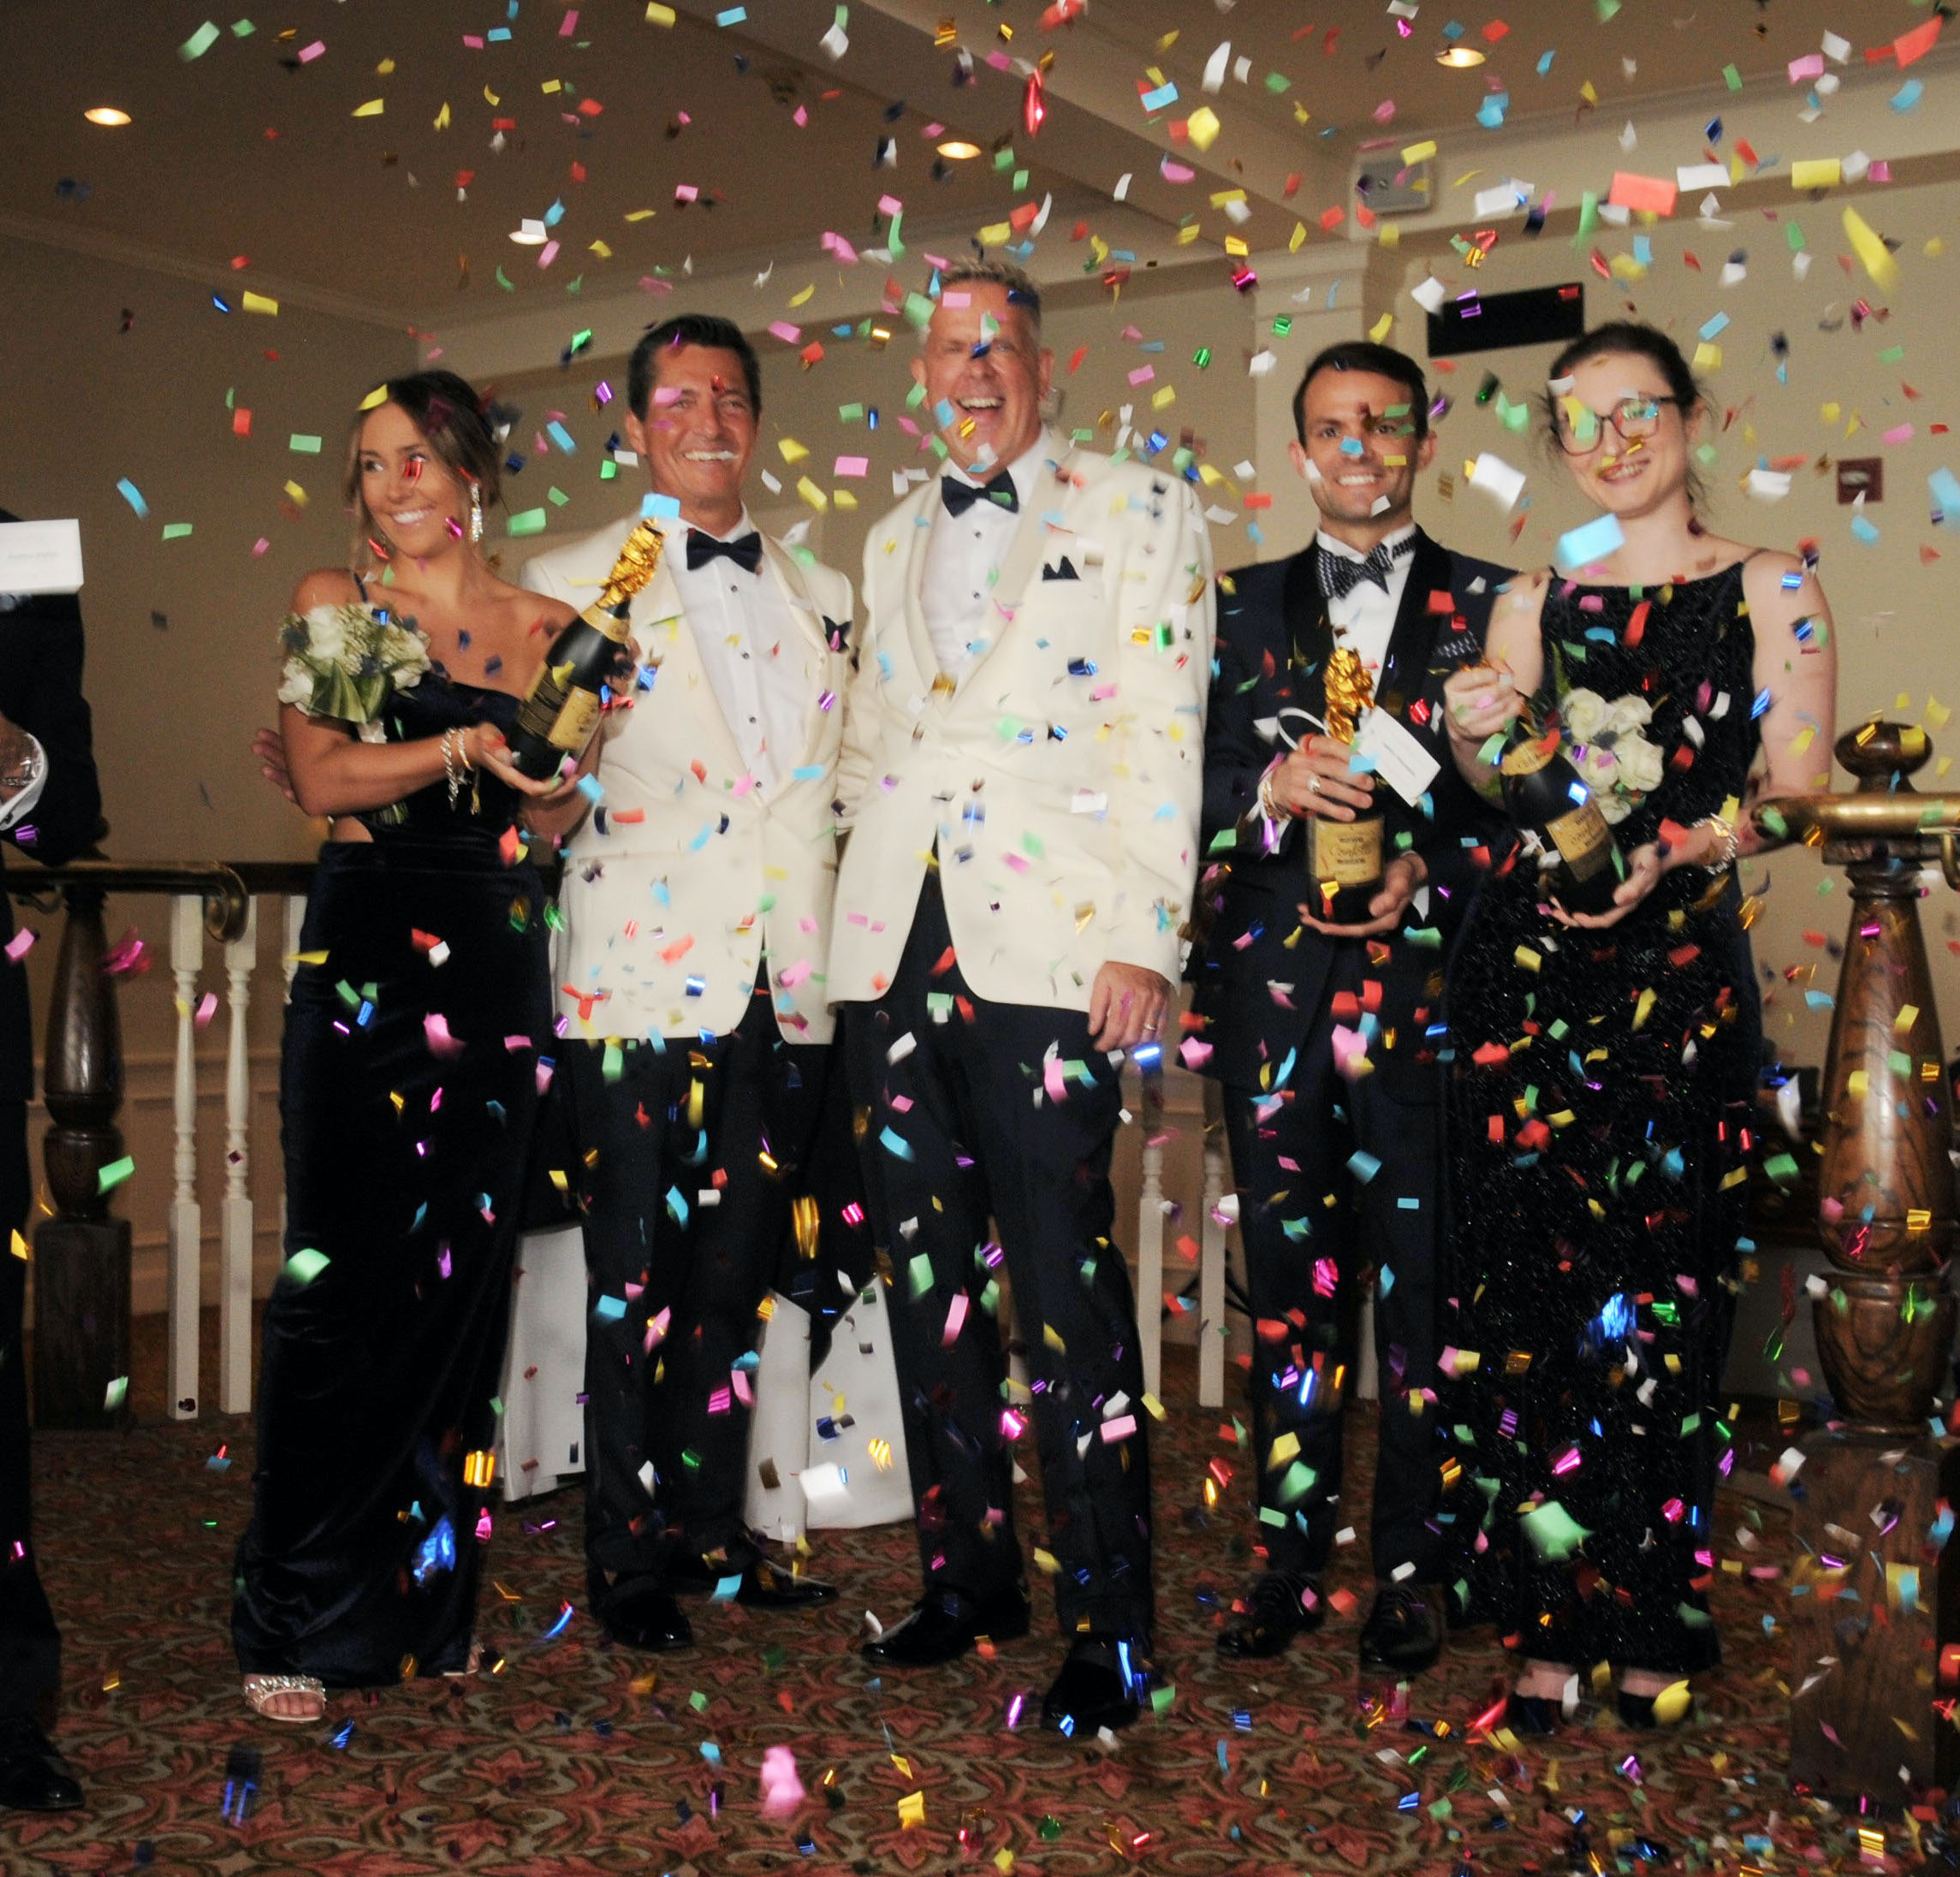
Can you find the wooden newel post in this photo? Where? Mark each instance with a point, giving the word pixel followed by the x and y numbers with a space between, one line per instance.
pixel 1874 1615
pixel 82 1255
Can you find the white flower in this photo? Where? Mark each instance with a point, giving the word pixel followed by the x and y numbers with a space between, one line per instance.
pixel 1608 749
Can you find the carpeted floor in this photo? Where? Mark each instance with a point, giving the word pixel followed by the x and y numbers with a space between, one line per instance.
pixel 580 1758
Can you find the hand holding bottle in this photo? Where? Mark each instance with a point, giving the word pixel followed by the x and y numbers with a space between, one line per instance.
pixel 1316 779
pixel 1480 702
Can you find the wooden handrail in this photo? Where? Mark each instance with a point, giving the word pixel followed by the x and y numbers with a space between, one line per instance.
pixel 226 886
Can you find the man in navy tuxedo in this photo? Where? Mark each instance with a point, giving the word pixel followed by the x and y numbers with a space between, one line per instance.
pixel 1324 1036
pixel 50 807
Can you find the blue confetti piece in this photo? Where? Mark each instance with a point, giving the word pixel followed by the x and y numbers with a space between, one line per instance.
pixel 437 1552
pixel 677 1205
pixel 562 437
pixel 658 507
pixel 1711 327
pixel 1595 541
pixel 1863 530
pixel 610 1309
pixel 1944 486
pixel 1365 1166
pixel 726 1588
pixel 133 496
pixel 1161 99
pixel 895 1143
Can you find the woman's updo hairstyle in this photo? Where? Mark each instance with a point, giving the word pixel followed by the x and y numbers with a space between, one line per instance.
pixel 451 416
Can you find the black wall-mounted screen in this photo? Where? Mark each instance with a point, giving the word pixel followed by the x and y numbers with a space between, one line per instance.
pixel 1535 317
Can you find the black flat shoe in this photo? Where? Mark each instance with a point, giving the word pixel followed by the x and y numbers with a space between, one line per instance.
pixel 1638 1711
pixel 1278 1605
pixel 1103 1684
pixel 1403 1632
pixel 639 1613
pixel 33 1776
pixel 1533 1714
pixel 945 1626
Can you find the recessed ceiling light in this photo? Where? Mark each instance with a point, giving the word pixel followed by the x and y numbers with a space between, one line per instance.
pixel 107 114
pixel 957 151
pixel 1460 58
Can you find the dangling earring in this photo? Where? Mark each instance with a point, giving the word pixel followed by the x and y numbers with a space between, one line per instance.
pixel 476 513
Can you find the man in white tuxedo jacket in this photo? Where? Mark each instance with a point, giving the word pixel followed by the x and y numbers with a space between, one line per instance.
pixel 697 909
pixel 1022 779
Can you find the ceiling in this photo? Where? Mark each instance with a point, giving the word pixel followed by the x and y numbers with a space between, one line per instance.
pixel 259 157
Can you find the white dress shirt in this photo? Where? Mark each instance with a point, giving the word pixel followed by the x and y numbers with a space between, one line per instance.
pixel 743 630
pixel 964 554
pixel 1363 618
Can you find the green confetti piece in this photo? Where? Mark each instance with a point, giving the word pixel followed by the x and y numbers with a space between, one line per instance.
pixel 525 522
pixel 1731 77
pixel 176 531
pixel 305 1265
pixel 1161 1698
pixel 116 1395
pixel 198 44
pixel 918 1274
pixel 557 497
pixel 243 29
pixel 303 445
pixel 1555 1535
pixel 1771 818
pixel 113 1175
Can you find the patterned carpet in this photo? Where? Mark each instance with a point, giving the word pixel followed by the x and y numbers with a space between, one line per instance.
pixel 579 1758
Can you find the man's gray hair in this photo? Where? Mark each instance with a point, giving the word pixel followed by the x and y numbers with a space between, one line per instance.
pixel 1021 288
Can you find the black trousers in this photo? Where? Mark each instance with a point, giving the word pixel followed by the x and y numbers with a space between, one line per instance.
pixel 1337 1182
pixel 676 1277
pixel 970 1111
pixel 30 1645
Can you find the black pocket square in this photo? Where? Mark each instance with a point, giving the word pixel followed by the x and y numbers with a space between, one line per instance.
pixel 1064 569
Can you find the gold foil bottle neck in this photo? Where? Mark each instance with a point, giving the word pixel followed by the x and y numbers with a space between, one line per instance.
pixel 639 556
pixel 1350 690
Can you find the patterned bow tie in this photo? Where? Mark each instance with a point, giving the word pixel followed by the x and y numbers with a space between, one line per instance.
pixel 959 497
pixel 745 551
pixel 1339 575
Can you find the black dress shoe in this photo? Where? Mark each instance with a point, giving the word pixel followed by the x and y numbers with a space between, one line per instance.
pixel 1403 1632
pixel 767 1586
pixel 764 1584
pixel 1278 1606
pixel 1103 1684
pixel 944 1625
pixel 639 1613
pixel 33 1776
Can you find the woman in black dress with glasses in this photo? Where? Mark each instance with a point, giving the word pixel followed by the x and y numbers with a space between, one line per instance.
pixel 1604 1067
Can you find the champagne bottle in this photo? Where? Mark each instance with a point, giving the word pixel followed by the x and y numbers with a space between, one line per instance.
pixel 1344 858
pixel 1545 795
pixel 562 713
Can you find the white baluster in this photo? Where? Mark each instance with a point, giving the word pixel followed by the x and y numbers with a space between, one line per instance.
pixel 1150 1245
pixel 1211 1260
pixel 235 1281
pixel 186 1218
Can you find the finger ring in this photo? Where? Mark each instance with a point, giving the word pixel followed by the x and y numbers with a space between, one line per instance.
pixel 1313 785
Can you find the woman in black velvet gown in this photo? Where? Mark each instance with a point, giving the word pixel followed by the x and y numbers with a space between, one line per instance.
pixel 420 1020
pixel 1604 1067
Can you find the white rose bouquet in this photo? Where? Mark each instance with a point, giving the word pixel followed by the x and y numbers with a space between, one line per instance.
pixel 347 661
pixel 1607 745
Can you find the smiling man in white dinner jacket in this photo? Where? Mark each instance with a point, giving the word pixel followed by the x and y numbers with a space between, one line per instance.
pixel 1022 779
pixel 697 907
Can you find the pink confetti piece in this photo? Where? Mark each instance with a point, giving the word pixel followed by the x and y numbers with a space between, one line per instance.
pixel 955 1320
pixel 207 1008
pixel 436 1029
pixel 859 466
pixel 782 329
pixel 308 54
pixel 20 944
pixel 1119 1427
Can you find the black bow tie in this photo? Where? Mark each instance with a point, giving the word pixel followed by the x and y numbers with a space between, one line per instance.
pixel 1339 575
pixel 745 551
pixel 959 497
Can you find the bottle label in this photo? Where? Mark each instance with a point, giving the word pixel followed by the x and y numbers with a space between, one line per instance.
pixel 1583 840
pixel 1529 755
pixel 576 721
pixel 1344 853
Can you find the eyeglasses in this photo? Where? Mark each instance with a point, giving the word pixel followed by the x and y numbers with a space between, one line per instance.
pixel 1580 430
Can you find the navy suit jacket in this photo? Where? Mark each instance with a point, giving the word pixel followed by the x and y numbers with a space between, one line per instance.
pixel 40 690
pixel 1260 976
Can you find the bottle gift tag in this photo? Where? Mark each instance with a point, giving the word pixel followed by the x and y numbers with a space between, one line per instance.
pixel 1401 759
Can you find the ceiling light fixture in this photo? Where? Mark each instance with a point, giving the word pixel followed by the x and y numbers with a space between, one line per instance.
pixel 107 114
pixel 954 150
pixel 1460 58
